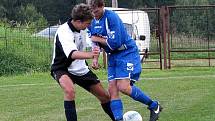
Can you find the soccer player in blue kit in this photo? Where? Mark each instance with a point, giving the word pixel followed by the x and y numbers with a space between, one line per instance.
pixel 124 66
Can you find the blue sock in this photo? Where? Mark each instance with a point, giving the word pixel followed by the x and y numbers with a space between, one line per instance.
pixel 106 107
pixel 153 105
pixel 138 95
pixel 117 109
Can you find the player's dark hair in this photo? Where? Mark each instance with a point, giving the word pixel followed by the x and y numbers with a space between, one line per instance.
pixel 96 3
pixel 82 12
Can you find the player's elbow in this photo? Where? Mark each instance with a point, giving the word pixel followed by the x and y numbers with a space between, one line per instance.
pixel 114 45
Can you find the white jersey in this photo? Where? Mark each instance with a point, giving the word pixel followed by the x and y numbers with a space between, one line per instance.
pixel 67 40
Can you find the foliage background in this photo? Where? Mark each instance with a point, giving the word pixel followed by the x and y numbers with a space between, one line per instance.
pixel 59 10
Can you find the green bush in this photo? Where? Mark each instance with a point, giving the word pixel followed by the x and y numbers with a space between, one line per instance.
pixel 16 63
pixel 12 63
pixel 22 52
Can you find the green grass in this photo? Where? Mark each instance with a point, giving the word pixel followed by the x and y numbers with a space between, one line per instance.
pixel 187 94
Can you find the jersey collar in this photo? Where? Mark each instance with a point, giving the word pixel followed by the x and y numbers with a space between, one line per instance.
pixel 71 26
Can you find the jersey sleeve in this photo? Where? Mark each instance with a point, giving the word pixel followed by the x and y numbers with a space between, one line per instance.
pixel 93 44
pixel 67 43
pixel 114 24
pixel 83 43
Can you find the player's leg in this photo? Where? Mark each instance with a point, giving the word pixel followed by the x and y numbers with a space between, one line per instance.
pixel 125 71
pixel 104 98
pixel 69 94
pixel 116 102
pixel 100 93
pixel 131 71
pixel 91 83
pixel 134 92
pixel 137 94
pixel 154 107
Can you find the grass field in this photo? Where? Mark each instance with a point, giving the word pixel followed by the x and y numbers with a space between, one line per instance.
pixel 187 94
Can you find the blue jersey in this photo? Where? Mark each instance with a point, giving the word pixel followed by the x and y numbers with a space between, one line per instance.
pixel 123 60
pixel 111 27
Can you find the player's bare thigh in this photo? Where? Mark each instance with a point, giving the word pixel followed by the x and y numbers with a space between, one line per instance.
pixel 99 91
pixel 68 87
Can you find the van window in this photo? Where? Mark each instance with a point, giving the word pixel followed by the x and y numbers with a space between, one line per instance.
pixel 132 30
pixel 129 28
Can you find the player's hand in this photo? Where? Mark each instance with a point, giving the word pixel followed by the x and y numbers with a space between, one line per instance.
pixel 96 52
pixel 95 64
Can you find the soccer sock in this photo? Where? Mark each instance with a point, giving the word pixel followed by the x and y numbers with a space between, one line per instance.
pixel 107 109
pixel 154 105
pixel 70 110
pixel 117 109
pixel 138 95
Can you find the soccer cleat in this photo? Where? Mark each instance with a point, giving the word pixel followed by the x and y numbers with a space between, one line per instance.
pixel 154 113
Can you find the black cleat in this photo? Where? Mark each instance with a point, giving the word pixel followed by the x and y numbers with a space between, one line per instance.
pixel 154 113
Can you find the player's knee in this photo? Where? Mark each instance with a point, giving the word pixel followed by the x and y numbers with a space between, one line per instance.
pixel 107 96
pixel 114 94
pixel 124 89
pixel 105 99
pixel 69 93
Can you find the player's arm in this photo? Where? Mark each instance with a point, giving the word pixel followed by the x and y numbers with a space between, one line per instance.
pixel 95 64
pixel 114 35
pixel 114 41
pixel 70 49
pixel 100 40
pixel 84 55
pixel 94 45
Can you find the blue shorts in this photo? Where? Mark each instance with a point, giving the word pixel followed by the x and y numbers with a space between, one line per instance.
pixel 124 68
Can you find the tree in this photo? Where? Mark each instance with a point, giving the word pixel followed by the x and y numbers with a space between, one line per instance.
pixel 52 10
pixel 192 2
pixel 2 11
pixel 8 8
pixel 29 16
pixel 192 21
pixel 55 10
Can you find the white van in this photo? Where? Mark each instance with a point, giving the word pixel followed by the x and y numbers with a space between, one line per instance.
pixel 137 25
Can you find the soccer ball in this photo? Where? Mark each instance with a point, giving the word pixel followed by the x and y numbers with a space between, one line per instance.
pixel 132 116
